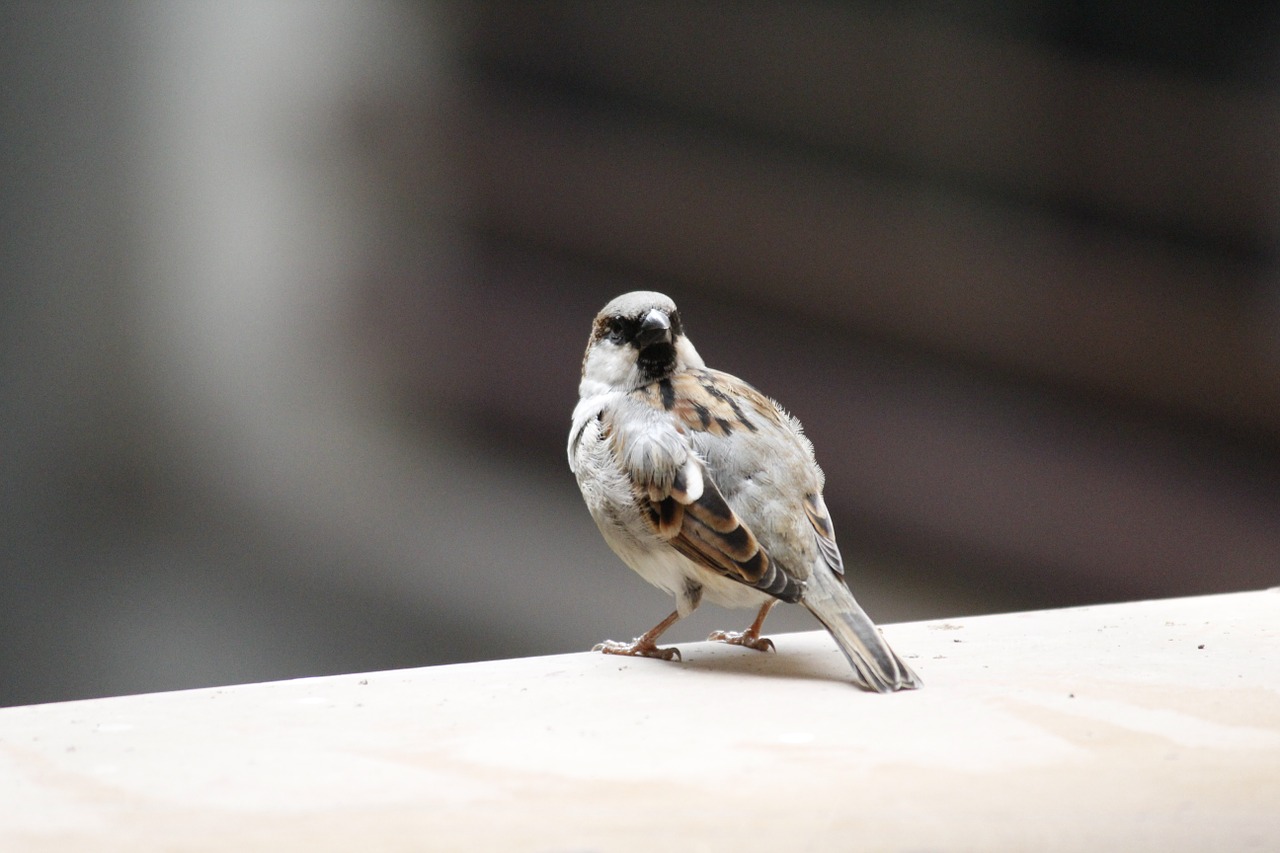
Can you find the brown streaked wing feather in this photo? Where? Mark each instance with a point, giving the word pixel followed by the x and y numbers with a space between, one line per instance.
pixel 712 535
pixel 713 530
pixel 667 516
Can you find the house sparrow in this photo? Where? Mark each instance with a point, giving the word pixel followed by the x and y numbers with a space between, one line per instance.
pixel 708 489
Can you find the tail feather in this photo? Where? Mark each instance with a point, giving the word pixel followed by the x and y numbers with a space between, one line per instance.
pixel 876 665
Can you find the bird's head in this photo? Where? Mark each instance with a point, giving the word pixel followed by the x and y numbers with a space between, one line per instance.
pixel 637 339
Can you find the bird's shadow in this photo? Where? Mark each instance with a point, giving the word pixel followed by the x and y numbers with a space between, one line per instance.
pixel 720 658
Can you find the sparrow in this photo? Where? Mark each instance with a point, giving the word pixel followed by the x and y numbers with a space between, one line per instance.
pixel 708 489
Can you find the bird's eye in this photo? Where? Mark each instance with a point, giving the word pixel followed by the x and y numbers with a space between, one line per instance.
pixel 616 331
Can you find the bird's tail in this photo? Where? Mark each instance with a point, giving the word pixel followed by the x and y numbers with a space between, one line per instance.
pixel 876 665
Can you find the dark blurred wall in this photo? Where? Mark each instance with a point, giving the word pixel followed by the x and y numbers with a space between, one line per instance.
pixel 295 298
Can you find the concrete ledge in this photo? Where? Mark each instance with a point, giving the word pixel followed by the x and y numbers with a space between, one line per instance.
pixel 1144 726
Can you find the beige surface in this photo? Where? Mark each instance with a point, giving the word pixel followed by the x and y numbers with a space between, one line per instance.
pixel 1126 727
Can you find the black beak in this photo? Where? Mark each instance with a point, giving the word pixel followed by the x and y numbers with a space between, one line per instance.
pixel 655 327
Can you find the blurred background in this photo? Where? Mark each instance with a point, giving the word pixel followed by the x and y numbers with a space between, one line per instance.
pixel 295 295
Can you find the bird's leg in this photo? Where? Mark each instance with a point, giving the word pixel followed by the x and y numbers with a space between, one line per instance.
pixel 751 637
pixel 646 645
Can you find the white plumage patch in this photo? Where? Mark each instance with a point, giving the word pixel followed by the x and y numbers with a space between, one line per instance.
pixel 611 366
pixel 692 480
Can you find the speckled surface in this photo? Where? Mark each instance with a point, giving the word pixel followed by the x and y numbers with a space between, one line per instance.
pixel 1144 726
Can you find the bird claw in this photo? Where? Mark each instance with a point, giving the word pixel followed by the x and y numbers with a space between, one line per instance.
pixel 637 648
pixel 743 638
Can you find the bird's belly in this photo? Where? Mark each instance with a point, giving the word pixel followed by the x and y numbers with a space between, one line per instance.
pixel 723 592
pixel 672 572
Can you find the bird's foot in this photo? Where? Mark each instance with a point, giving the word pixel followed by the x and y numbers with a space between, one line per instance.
pixel 748 639
pixel 639 647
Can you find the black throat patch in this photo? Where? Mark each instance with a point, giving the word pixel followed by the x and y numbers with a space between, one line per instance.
pixel 657 361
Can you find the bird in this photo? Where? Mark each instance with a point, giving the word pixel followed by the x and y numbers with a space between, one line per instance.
pixel 709 490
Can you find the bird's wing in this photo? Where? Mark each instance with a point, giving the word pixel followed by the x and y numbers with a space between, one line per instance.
pixel 682 499
pixel 823 531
